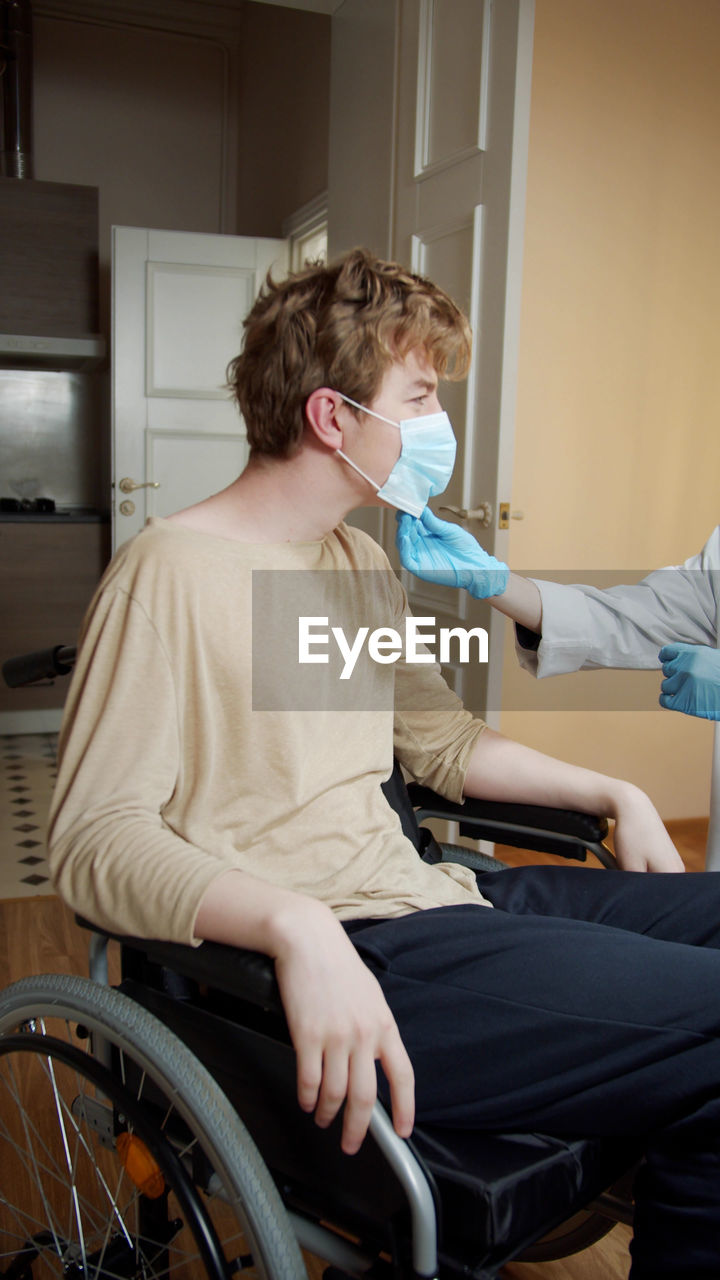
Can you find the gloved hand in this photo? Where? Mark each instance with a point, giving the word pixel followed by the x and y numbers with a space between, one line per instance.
pixel 438 551
pixel 693 679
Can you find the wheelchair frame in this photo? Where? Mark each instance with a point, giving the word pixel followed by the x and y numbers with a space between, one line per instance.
pixel 152 1046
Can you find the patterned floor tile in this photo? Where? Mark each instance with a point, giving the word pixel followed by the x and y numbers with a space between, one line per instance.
pixel 27 777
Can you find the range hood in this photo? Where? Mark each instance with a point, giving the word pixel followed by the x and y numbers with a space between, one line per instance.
pixel 48 233
pixel 26 351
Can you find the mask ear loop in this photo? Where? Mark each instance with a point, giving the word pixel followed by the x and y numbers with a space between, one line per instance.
pixel 363 409
pixel 339 453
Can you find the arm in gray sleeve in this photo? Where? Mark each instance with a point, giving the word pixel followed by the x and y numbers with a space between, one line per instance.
pixel 625 626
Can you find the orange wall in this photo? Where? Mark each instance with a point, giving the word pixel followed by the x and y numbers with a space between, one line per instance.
pixel 618 430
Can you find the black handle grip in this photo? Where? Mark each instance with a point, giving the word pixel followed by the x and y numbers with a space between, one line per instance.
pixel 44 664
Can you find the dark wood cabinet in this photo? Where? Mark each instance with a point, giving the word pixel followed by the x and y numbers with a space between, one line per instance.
pixel 48 572
pixel 48 258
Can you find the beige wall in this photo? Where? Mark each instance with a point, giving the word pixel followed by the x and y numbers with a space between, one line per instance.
pixel 138 114
pixel 284 107
pixel 618 432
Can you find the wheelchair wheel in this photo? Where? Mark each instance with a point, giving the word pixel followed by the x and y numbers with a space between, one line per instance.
pixel 581 1231
pixel 120 1157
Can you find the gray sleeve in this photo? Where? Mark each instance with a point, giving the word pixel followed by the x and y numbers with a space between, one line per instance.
pixel 585 628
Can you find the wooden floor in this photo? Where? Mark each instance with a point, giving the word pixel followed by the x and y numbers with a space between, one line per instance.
pixel 38 935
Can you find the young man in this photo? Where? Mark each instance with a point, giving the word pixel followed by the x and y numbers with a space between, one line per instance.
pixel 201 795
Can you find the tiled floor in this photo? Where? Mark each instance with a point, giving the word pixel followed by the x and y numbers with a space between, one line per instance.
pixel 27 777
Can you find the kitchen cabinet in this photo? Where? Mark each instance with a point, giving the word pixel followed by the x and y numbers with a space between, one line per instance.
pixel 49 568
pixel 48 258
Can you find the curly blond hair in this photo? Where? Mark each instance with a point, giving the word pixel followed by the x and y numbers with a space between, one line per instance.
pixel 340 326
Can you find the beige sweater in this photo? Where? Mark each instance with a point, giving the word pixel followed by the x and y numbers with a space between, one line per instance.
pixel 194 740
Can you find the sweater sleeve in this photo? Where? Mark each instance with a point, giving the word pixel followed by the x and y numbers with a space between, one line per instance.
pixel 585 628
pixel 434 734
pixel 112 856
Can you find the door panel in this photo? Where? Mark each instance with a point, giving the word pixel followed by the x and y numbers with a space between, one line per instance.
pixel 179 300
pixel 452 46
pixel 191 464
pixel 193 329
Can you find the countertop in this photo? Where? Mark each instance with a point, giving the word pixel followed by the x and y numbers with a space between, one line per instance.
pixel 66 515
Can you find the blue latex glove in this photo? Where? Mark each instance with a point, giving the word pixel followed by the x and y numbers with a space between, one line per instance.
pixel 438 551
pixel 692 681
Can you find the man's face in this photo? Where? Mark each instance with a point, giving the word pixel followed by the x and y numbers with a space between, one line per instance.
pixel 408 390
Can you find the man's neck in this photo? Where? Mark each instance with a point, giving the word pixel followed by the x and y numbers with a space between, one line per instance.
pixel 274 500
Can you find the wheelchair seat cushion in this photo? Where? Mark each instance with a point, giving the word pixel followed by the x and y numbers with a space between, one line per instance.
pixel 500 1192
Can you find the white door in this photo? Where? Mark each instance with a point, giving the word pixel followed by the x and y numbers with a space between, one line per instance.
pixel 179 300
pixel 464 108
pixel 446 121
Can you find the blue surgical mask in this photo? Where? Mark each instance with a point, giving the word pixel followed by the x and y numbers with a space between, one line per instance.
pixel 425 465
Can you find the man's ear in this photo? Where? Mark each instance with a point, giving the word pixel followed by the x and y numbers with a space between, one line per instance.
pixel 321 414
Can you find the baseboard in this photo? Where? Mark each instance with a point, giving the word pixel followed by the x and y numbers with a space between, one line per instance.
pixel 40 721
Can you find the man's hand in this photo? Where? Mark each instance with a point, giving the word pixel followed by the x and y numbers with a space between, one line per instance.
pixel 340 1024
pixel 692 682
pixel 438 551
pixel 640 839
pixel 339 1020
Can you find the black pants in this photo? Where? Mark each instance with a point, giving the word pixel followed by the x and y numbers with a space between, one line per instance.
pixel 582 1003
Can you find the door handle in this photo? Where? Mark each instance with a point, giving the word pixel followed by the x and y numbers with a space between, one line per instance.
pixel 483 513
pixel 129 486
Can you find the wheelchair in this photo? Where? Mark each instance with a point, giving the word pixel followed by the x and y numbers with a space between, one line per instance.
pixel 151 1129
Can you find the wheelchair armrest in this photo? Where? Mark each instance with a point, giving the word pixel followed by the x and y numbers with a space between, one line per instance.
pixel 236 971
pixel 524 826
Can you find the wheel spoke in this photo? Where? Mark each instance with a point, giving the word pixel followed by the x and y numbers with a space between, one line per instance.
pixel 30 1157
pixel 61 1166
